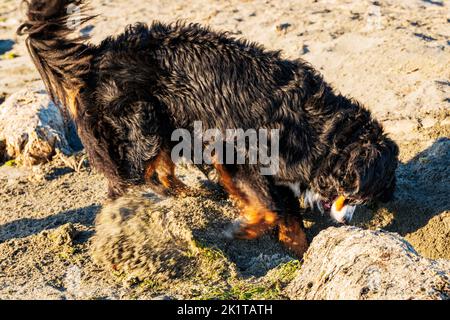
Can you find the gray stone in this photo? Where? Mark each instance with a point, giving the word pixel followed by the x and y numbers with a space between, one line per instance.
pixel 351 263
pixel 32 128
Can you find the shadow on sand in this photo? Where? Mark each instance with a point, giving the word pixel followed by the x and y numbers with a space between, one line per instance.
pixel 5 46
pixel 25 227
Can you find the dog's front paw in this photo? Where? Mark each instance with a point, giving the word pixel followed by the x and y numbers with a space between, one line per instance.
pixel 252 226
pixel 292 235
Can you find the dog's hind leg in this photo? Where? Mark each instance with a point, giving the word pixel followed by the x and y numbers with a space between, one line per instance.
pixel 160 176
pixel 257 212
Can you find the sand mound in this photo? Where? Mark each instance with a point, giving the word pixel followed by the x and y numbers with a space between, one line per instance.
pixel 145 239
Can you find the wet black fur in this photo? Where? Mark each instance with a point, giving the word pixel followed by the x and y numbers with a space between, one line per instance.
pixel 137 88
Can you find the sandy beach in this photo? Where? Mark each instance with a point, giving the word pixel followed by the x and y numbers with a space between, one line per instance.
pixel 392 56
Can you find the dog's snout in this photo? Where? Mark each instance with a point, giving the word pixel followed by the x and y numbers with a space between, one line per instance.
pixel 344 215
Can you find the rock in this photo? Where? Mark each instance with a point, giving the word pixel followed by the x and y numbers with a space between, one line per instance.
pixel 351 263
pixel 32 128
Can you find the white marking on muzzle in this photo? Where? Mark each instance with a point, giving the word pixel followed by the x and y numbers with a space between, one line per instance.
pixel 343 216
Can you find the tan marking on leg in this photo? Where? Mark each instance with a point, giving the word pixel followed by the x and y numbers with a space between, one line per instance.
pixel 257 219
pixel 71 102
pixel 227 182
pixel 292 235
pixel 164 168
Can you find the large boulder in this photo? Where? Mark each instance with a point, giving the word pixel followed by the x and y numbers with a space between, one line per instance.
pixel 351 263
pixel 32 128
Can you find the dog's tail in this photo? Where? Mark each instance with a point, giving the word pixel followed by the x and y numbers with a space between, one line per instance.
pixel 62 58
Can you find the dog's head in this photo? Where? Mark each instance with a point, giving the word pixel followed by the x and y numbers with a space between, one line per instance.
pixel 362 172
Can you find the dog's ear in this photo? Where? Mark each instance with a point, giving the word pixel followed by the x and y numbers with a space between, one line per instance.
pixel 358 171
pixel 371 169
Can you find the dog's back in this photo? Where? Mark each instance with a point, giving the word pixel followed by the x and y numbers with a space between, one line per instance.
pixel 194 73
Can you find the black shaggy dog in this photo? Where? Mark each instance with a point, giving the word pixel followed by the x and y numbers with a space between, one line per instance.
pixel 128 94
